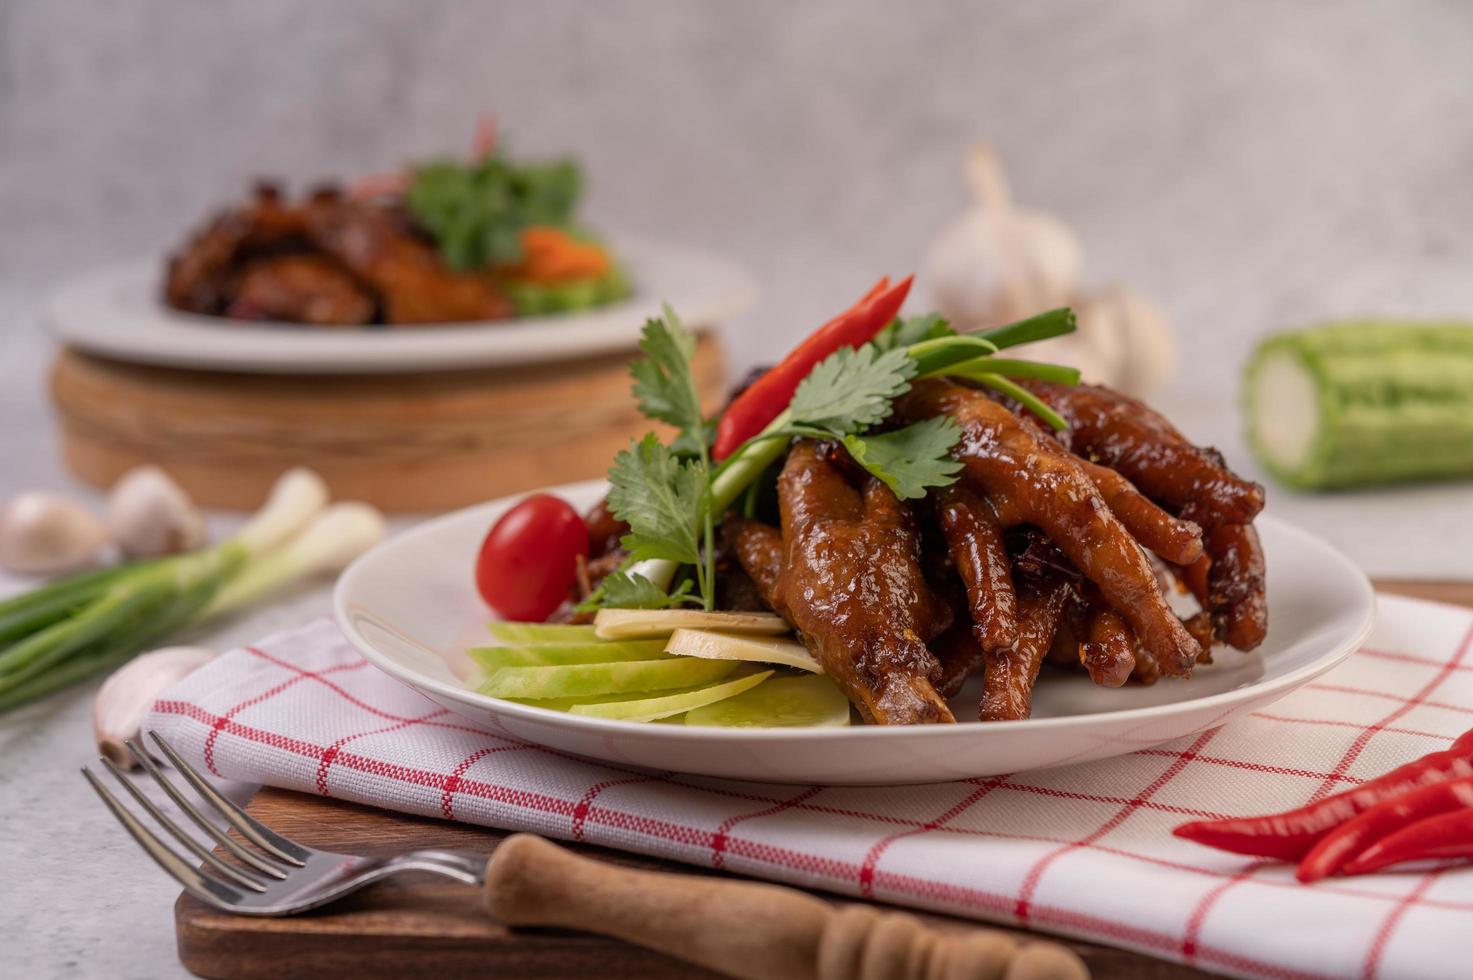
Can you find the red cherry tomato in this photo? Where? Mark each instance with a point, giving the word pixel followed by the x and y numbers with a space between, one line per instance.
pixel 529 560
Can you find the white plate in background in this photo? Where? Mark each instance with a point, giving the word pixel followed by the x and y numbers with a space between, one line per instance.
pixel 119 313
pixel 410 606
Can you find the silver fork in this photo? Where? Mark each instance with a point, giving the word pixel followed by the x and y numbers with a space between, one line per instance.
pixel 739 928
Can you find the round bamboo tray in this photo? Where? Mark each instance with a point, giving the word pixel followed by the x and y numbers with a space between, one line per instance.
pixel 411 442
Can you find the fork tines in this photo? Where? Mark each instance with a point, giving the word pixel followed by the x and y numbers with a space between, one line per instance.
pixel 228 884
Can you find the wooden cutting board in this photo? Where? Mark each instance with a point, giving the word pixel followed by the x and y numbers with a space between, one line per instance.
pixel 423 926
pixel 403 442
pixel 432 927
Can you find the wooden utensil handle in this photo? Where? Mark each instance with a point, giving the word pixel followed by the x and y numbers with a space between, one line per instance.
pixel 745 929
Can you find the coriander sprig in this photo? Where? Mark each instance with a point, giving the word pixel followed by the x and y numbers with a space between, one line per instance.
pixel 671 496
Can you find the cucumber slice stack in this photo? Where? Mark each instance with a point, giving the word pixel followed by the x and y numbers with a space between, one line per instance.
pixel 660 668
pixel 1360 403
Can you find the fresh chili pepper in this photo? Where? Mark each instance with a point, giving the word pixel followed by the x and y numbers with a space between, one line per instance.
pixel 1446 836
pixel 1289 836
pixel 1351 840
pixel 765 399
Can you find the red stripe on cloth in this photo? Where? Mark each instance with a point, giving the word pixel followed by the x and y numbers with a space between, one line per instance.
pixel 718 839
pixel 580 812
pixel 1411 658
pixel 262 698
pixel 332 750
pixel 1022 910
pixel 1064 794
pixel 1333 723
pixel 1256 766
pixel 1367 692
pixel 1393 919
pixel 872 858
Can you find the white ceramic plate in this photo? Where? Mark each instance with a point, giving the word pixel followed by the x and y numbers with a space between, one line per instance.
pixel 118 313
pixel 409 605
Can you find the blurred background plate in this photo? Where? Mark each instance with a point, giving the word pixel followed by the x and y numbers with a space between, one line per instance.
pixel 118 314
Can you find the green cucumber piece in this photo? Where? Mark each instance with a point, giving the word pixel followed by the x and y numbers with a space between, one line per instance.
pixel 666 705
pixel 1361 403
pixel 564 654
pixel 527 634
pixel 593 680
pixel 780 702
pixel 633 624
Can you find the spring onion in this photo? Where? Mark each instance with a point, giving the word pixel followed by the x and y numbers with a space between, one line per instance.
pixel 75 627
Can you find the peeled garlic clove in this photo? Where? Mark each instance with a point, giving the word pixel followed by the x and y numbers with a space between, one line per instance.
pixel 149 514
pixel 125 698
pixel 44 534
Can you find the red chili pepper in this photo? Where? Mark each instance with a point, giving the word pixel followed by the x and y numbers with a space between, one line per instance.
pixel 1449 835
pixel 1289 836
pixel 765 399
pixel 1353 839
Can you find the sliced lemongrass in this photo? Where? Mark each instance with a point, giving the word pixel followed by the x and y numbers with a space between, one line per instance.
pixel 630 624
pixel 593 680
pixel 780 702
pixel 728 646
pixel 528 634
pixel 565 654
pixel 666 705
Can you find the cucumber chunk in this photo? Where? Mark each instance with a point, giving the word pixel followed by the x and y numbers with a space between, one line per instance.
pixel 527 634
pixel 726 646
pixel 664 706
pixel 592 680
pixel 563 654
pixel 1353 404
pixel 630 624
pixel 780 702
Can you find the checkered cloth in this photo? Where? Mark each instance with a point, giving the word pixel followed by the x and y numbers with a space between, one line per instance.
pixel 1084 851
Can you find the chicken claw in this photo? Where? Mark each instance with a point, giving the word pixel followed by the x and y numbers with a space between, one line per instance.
pixel 1030 479
pixel 852 585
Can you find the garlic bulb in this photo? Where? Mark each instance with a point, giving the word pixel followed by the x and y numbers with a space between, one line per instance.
pixel 997 263
pixel 125 698
pixel 149 514
pixel 1122 341
pixel 44 534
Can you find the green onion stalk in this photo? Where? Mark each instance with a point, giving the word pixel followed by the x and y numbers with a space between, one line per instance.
pixel 966 356
pixel 60 633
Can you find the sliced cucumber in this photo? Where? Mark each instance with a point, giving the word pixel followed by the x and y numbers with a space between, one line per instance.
pixel 630 624
pixel 593 680
pixel 727 646
pixel 526 634
pixel 664 706
pixel 563 654
pixel 780 702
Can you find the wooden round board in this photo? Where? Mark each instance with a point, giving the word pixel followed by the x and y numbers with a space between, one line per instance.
pixel 403 442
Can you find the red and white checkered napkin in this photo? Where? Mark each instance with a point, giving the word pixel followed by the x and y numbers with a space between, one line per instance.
pixel 1086 851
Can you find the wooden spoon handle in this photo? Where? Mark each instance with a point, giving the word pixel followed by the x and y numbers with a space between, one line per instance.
pixel 744 929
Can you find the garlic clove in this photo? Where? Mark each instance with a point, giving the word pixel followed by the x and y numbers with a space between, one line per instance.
pixel 45 534
pixel 126 697
pixel 1130 336
pixel 149 514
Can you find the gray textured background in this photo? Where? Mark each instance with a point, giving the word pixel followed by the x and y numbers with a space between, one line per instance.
pixel 1250 164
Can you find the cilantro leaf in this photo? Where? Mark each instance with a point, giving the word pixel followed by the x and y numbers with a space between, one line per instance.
pixel 911 459
pixel 659 496
pixel 626 590
pixel 851 389
pixel 663 384
pixel 904 331
pixel 476 211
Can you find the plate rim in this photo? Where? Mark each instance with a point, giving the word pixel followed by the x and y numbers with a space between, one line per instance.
pixel 728 291
pixel 1293 680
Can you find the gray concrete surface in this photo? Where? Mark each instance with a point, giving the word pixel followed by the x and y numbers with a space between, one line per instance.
pixel 1252 165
